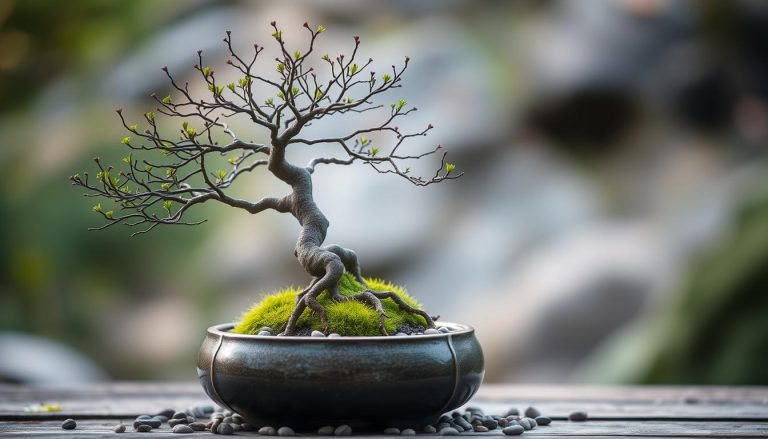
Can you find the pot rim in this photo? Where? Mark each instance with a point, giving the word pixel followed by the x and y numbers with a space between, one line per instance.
pixel 223 330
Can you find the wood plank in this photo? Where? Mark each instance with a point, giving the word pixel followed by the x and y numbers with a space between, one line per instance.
pixel 103 428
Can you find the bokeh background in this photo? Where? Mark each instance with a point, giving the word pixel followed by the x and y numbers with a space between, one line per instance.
pixel 612 225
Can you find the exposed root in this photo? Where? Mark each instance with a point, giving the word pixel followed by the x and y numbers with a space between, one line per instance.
pixel 367 297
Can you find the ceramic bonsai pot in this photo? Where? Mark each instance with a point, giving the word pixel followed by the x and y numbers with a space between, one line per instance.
pixel 406 381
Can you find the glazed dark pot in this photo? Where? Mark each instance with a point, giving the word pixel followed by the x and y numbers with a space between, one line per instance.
pixel 361 381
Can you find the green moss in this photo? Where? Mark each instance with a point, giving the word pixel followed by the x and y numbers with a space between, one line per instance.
pixel 350 318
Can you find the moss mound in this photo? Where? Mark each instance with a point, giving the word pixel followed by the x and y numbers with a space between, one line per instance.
pixel 350 318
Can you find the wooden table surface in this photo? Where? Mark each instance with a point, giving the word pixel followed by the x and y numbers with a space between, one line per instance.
pixel 613 411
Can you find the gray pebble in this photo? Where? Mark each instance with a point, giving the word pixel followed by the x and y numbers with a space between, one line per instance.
pixel 408 432
pixel 286 431
pixel 143 417
pixel 326 430
pixel 513 430
pixel 444 418
pixel 196 426
pixel 392 430
pixel 317 334
pixel 543 420
pixel 401 334
pixel 481 428
pixel 503 422
pixel 431 331
pixel 448 431
pixel 143 428
pixel 119 428
pixel 174 422
pixel 490 424
pixel 430 429
pixel 443 330
pixel 264 333
pixel 179 415
pixel 343 430
pixel 225 429
pixel 183 429
pixel 533 422
pixel 526 424
pixel 266 329
pixel 532 412
pixel 333 335
pixel 237 419
pixel 442 425
pixel 228 419
pixel 190 419
pixel 161 418
pixel 512 412
pixel 218 416
pixel 69 424
pixel 578 416
pixel 267 431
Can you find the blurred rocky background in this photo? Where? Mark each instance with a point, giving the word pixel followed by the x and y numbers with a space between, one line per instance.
pixel 612 225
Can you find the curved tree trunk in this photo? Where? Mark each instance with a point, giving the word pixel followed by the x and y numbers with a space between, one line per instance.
pixel 325 264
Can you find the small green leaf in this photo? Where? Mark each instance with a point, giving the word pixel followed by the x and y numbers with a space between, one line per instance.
pixel 281 95
pixel 400 104
pixel 348 100
pixel 320 29
pixel 191 132
pixel 165 186
pixel 278 35
pixel 170 171
pixel 231 86
pixel 207 71
pixel 149 115
pixel 280 67
pixel 407 169
pixel 269 102
pixel 244 81
pixel 97 207
pixel 449 167
pixel 109 214
pixel 148 168
pixel 127 159
pixel 167 204
pixel 167 100
pixel 115 181
pixel 133 128
pixel 125 140
pixel 326 58
pixel 221 174
pixel 233 160
pixel 297 55
pixel 363 140
pixel 318 94
pixel 374 151
pixel 386 78
pixel 353 69
pixel 185 125
pixel 294 91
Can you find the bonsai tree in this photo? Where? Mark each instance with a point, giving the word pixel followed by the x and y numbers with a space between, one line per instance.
pixel 178 169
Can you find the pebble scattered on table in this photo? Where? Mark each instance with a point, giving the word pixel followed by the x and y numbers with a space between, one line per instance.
pixel 578 416
pixel 430 429
pixel 449 431
pixel 267 431
pixel 69 424
pixel 197 426
pixel 513 430
pixel 481 428
pixel 431 331
pixel 119 428
pixel 168 413
pixel 183 429
pixel 143 428
pixel 317 333
pixel 532 412
pixel 392 430
pixel 333 335
pixel 285 431
pixel 408 432
pixel 225 429
pixel 326 430
pixel 543 420
pixel 343 430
